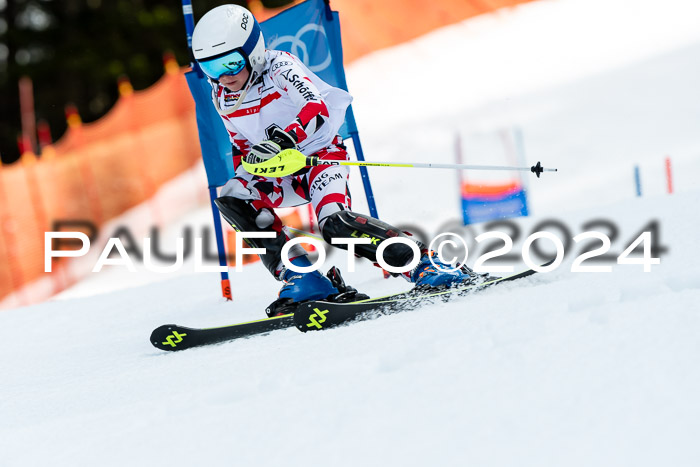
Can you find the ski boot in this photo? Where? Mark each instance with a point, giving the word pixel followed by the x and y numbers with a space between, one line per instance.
pixel 303 287
pixel 434 274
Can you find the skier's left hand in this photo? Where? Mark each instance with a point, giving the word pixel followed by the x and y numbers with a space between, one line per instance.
pixel 279 140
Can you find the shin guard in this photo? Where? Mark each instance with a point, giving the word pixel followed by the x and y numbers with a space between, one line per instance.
pixel 344 224
pixel 241 216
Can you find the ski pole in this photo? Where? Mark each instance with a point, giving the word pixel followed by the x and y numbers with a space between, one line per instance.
pixel 290 161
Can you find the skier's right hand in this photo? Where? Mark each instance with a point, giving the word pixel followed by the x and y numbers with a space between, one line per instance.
pixel 279 140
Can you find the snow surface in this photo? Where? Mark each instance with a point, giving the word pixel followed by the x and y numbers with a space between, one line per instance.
pixel 559 369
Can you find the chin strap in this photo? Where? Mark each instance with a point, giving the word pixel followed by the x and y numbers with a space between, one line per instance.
pixel 243 92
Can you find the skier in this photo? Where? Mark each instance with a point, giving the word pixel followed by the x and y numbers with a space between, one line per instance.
pixel 270 101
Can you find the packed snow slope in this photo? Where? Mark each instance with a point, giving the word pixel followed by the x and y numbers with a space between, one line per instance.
pixel 562 368
pixel 559 369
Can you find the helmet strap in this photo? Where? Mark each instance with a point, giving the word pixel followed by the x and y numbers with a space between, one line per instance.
pixel 243 91
pixel 230 110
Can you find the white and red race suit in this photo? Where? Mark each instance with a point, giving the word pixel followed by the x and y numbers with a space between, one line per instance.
pixel 289 96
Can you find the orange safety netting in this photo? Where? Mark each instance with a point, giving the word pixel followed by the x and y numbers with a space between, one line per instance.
pixel 97 171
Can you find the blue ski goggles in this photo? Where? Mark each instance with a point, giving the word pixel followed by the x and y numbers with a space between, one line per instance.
pixel 231 63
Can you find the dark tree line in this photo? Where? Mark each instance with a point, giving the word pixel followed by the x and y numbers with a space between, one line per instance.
pixel 75 51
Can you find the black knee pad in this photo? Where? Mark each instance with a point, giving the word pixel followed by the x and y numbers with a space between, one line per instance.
pixel 241 216
pixel 344 224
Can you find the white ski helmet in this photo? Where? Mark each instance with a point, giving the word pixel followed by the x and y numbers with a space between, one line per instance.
pixel 222 37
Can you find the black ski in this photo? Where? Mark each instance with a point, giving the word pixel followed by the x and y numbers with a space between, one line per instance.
pixel 318 315
pixel 174 337
pixel 313 315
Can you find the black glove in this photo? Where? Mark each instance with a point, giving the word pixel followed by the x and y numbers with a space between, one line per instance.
pixel 279 140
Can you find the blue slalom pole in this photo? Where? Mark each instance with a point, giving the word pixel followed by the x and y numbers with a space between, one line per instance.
pixel 225 283
pixel 354 134
pixel 364 174
pixel 189 20
pixel 637 180
pixel 221 250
